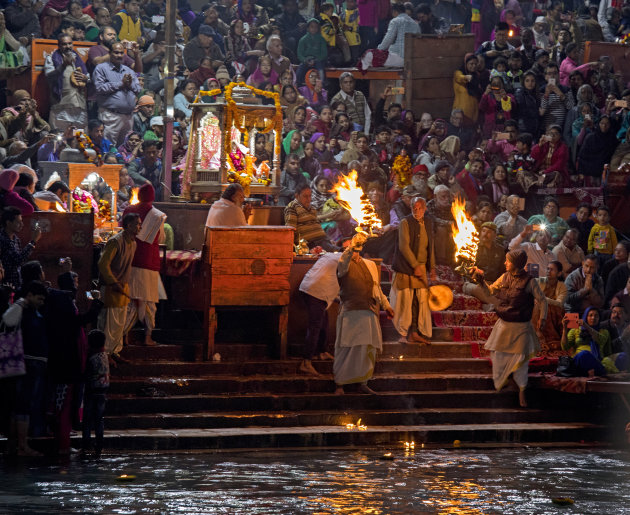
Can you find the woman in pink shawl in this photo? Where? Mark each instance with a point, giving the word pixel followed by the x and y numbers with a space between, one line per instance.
pixel 263 73
pixel 51 16
pixel 8 197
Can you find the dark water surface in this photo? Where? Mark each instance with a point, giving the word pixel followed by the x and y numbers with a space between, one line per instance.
pixel 518 481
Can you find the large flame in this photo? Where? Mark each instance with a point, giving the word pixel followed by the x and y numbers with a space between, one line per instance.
pixel 134 196
pixel 59 207
pixel 464 233
pixel 350 196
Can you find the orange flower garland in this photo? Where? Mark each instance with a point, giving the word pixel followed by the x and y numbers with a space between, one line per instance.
pixel 82 139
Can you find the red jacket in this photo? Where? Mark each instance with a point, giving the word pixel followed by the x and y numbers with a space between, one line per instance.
pixel 559 159
pixel 147 254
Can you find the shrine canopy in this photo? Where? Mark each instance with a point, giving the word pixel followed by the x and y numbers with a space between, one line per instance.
pixel 222 137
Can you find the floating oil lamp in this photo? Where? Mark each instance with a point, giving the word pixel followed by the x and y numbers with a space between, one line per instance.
pixel 388 456
pixel 410 445
pixel 466 240
pixel 126 478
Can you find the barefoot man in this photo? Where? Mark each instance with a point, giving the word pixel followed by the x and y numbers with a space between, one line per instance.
pixel 358 329
pixel 413 257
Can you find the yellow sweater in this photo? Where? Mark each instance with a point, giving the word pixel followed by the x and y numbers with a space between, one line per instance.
pixel 602 239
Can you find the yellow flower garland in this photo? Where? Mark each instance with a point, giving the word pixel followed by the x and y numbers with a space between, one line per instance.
pixel 401 170
pixel 244 124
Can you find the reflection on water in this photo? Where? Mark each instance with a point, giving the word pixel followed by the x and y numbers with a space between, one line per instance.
pixel 522 481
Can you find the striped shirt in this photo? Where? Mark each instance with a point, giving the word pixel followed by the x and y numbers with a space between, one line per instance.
pixel 304 220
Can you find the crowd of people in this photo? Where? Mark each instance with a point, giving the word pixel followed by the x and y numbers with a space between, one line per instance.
pixel 527 114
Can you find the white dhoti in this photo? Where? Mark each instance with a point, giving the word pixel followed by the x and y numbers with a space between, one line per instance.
pixel 402 302
pixel 112 322
pixel 512 344
pixel 358 341
pixel 146 290
pixel 117 125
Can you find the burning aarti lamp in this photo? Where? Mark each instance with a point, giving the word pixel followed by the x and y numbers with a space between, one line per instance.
pixel 466 241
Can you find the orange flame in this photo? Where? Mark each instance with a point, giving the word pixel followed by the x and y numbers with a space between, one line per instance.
pixel 350 196
pixel 465 233
pixel 59 207
pixel 134 196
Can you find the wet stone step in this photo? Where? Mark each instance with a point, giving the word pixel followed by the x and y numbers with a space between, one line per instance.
pixel 408 365
pixel 328 418
pixel 464 318
pixel 336 436
pixel 123 404
pixel 291 384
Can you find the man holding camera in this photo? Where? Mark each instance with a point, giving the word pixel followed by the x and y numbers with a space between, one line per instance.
pixel 116 89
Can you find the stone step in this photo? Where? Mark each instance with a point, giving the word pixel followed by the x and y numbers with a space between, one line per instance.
pixel 465 302
pixel 392 437
pixel 265 402
pixel 400 417
pixel 408 365
pixel 168 352
pixel 443 334
pixel 293 384
pixel 393 350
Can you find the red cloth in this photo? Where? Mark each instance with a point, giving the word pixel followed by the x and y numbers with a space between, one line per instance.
pixel 179 262
pixel 471 188
pixel 11 198
pixel 147 254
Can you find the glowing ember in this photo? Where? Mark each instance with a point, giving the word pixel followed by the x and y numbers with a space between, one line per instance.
pixel 351 197
pixel 134 197
pixel 358 426
pixel 59 207
pixel 465 234
pixel 410 445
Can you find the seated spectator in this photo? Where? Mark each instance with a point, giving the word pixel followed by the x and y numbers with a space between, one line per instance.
pixel 603 239
pixel 443 177
pixel 312 52
pixel 349 19
pixel 429 23
pixel 622 298
pixel 230 209
pixel 356 105
pixel 360 148
pixel 552 158
pixel 143 113
pixel 550 220
pixel 254 15
pixel 128 23
pixel 292 24
pixel 22 21
pixel 568 253
pixel 497 185
pixel 472 180
pixel 431 154
pixel 148 168
pixel 538 253
pixel 291 181
pixel 8 197
pixel 490 255
pixel 11 49
pixel 570 64
pixel 556 293
pixel 275 49
pixel 292 144
pixel 96 133
pixel 335 220
pixel 202 46
pixel 25 187
pixel 555 101
pixel 596 151
pixel 131 147
pixel 620 257
pixel 483 213
pixel 321 153
pixel 61 190
pixel 590 346
pixel 584 287
pixel 323 122
pixel 156 130
pixel 338 49
pixel 187 92
pixel 497 106
pixel 582 221
pixel 313 91
pixel 503 148
pixel 439 207
pixel 264 73
pixel 22 117
pixel 303 217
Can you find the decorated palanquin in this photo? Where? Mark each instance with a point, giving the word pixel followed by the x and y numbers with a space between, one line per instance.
pixel 222 138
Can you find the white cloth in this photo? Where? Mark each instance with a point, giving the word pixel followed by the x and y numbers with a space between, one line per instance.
pixel 146 285
pixel 504 364
pixel 112 322
pixel 321 280
pixel 72 107
pixel 152 224
pixel 225 213
pixel 358 340
pixel 143 311
pixel 117 125
pixel 402 303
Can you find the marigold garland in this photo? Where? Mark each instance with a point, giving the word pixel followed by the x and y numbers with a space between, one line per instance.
pixel 401 171
pixel 82 139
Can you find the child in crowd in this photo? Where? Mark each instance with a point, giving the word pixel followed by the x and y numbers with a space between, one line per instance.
pixel 602 240
pixel 312 51
pixel 333 36
pixel 500 69
pixel 96 385
pixel 515 71
pixel 350 25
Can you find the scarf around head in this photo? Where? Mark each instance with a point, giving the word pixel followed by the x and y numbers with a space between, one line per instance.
pixel 318 199
pixel 587 336
pixel 311 88
pixel 518 258
pixel 286 144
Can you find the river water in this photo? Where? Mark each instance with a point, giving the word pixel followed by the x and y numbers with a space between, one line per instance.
pixel 459 481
